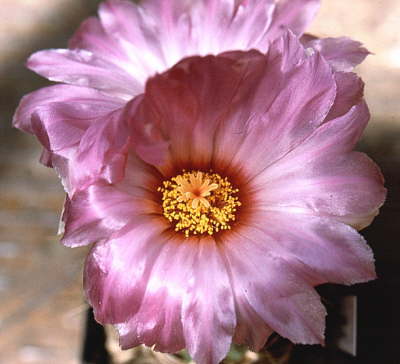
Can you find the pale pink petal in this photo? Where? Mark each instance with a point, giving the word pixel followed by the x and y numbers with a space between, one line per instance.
pixel 275 290
pixel 324 176
pixel 247 29
pixel 158 321
pixel 162 291
pixel 83 68
pixel 214 110
pixel 80 225
pixel 295 15
pixel 120 20
pixel 251 330
pixel 88 134
pixel 210 22
pixel 324 250
pixel 186 105
pixel 60 125
pixel 208 316
pixel 137 33
pixel 117 271
pixel 292 98
pixel 92 37
pixel 156 35
pixel 91 135
pixel 103 208
pixel 60 93
pixel 342 53
pixel 104 145
pixel 350 92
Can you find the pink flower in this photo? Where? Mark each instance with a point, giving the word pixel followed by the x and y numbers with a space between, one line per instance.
pixel 110 58
pixel 241 192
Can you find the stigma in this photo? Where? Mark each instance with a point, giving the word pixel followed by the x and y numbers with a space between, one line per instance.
pixel 199 202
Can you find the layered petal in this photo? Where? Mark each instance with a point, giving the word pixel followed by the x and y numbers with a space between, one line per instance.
pixel 73 95
pixel 168 31
pixel 117 52
pixel 294 15
pixel 324 176
pixel 215 110
pixel 279 293
pixel 158 320
pixel 273 131
pixel 208 310
pixel 251 330
pixel 342 53
pixel 128 43
pixel 79 223
pixel 162 292
pixel 92 36
pixel 84 68
pixel 95 213
pixel 65 131
pixel 293 97
pixel 350 92
pixel 186 105
pixel 78 127
pixel 322 249
pixel 59 125
pixel 117 271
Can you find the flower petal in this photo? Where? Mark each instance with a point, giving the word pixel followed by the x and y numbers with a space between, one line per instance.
pixel 324 250
pixel 79 224
pixel 208 315
pixel 102 150
pixel 158 321
pixel 60 125
pixel 295 15
pixel 163 291
pixel 117 271
pixel 249 28
pixel 215 110
pixel 95 213
pixel 155 35
pixel 291 99
pixel 279 293
pixel 350 92
pixel 83 68
pixel 89 135
pixel 186 104
pixel 60 93
pixel 163 316
pixel 91 36
pixel 342 53
pixel 137 33
pixel 251 330
pixel 323 176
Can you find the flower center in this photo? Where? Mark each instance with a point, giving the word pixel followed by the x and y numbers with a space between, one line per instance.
pixel 199 202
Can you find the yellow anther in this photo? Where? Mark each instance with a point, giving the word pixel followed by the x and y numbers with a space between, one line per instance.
pixel 199 202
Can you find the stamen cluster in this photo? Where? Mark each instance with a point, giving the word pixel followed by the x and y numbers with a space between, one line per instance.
pixel 199 202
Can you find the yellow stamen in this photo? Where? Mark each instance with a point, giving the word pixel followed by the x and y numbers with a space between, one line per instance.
pixel 199 202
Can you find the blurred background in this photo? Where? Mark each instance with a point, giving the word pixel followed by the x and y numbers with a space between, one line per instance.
pixel 42 309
